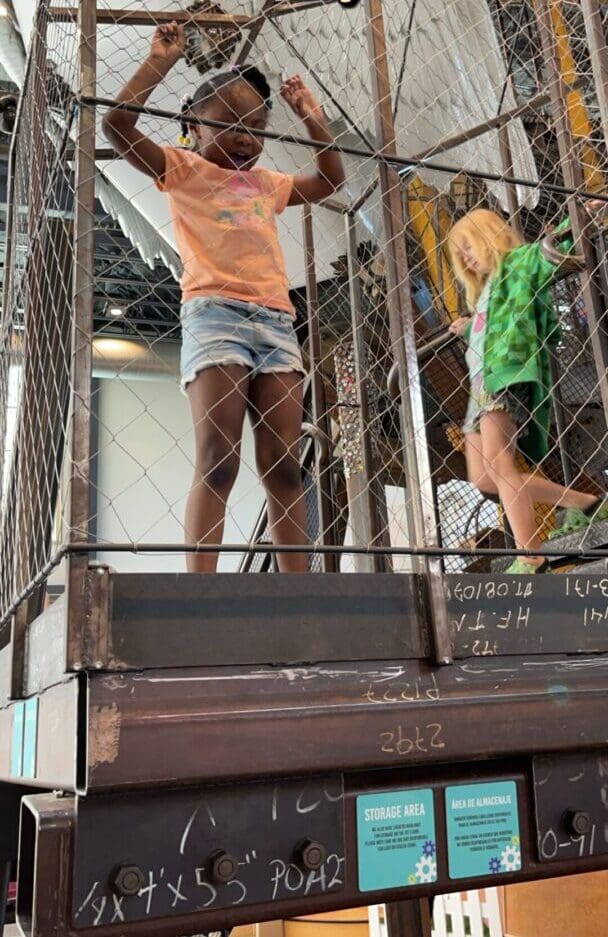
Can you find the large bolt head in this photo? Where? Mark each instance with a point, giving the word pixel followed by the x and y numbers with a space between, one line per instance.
pixel 222 867
pixel 127 880
pixel 576 821
pixel 310 855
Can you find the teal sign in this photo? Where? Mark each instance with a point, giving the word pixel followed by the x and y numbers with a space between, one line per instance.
pixel 17 739
pixel 30 738
pixel 396 839
pixel 482 828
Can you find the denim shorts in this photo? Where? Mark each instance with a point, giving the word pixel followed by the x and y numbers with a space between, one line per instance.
pixel 514 400
pixel 217 332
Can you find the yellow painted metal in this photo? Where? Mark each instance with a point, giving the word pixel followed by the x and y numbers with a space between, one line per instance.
pixel 577 111
pixel 429 222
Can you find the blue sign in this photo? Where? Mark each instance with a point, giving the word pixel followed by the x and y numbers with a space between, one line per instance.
pixel 482 828
pixel 30 738
pixel 396 839
pixel 17 740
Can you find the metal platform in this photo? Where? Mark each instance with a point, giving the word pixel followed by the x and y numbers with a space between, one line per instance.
pixel 216 704
pixel 143 621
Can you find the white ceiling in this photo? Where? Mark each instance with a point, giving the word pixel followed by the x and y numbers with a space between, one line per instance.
pixel 453 80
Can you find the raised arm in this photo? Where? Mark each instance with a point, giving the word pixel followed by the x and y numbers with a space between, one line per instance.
pixel 120 126
pixel 329 177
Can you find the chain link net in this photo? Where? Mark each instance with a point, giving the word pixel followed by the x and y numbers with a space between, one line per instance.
pixel 476 126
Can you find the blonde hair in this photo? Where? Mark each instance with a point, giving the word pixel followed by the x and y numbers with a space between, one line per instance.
pixel 490 237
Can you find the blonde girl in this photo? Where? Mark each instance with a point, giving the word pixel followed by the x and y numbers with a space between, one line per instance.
pixel 507 284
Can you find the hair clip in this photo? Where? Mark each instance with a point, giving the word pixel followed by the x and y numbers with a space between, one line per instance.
pixel 184 138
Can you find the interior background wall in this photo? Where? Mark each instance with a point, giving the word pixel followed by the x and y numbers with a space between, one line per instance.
pixel 145 462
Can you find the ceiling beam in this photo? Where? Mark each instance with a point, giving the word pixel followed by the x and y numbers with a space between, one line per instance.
pixel 154 18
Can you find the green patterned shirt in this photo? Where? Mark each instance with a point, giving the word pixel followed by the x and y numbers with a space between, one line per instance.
pixel 521 329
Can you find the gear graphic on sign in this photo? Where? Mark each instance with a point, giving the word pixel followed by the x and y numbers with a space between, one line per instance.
pixel 428 849
pixel 494 864
pixel 510 859
pixel 426 870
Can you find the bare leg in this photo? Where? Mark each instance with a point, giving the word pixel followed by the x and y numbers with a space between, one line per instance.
pixel 542 490
pixel 218 401
pixel 276 413
pixel 498 433
pixel 478 470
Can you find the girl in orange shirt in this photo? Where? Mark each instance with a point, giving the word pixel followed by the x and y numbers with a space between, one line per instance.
pixel 239 349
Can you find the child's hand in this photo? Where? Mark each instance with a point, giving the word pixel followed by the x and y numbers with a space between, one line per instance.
pixel 167 43
pixel 596 207
pixel 459 326
pixel 301 99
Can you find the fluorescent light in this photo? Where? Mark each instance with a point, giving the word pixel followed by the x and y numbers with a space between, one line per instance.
pixel 116 311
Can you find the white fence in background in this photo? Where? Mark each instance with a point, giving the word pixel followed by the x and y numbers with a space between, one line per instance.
pixel 464 914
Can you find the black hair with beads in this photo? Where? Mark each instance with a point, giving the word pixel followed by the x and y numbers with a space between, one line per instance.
pixel 210 87
pixel 249 73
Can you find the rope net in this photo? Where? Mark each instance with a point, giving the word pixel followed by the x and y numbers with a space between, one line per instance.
pixel 495 106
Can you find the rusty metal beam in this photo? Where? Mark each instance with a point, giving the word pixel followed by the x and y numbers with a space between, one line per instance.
pixel 574 179
pixel 82 336
pixel 361 481
pixel 76 854
pixel 403 337
pixel 350 715
pixel 287 621
pixel 154 18
pixel 409 918
pixel 255 28
pixel 320 415
pixel 151 18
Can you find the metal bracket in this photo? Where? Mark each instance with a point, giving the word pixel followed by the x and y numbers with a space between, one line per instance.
pixel 567 263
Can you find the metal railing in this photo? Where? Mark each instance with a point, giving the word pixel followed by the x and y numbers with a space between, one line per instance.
pixel 383 458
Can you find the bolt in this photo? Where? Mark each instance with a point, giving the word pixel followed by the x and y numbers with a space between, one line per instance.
pixel 577 821
pixel 310 855
pixel 222 867
pixel 127 880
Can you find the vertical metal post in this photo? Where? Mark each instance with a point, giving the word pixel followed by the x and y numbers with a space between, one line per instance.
pixel 401 318
pixel 325 500
pixel 408 918
pixel 7 555
pixel 82 335
pixel 361 484
pixel 10 221
pixel 28 446
pixel 598 53
pixel 506 158
pixel 5 879
pixel 559 415
pixel 574 179
pixel 29 419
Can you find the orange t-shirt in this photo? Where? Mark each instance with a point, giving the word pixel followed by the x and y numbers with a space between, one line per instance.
pixel 225 228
